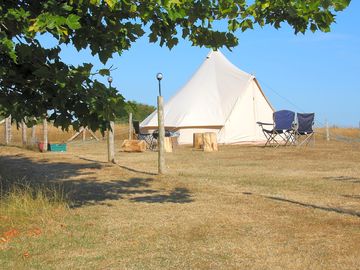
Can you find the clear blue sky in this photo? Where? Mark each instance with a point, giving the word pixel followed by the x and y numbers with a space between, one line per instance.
pixel 312 73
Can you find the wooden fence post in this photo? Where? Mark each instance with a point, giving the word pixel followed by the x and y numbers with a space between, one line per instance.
pixel 130 126
pixel 110 143
pixel 7 130
pixel 327 131
pixel 161 154
pixel 84 135
pixel 23 133
pixel 45 133
pixel 33 135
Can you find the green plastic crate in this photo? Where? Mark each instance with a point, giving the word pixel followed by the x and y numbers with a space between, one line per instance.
pixel 57 147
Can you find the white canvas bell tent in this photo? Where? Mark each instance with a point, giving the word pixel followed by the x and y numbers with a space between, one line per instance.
pixel 218 98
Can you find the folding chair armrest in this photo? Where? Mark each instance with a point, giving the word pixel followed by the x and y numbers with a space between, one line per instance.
pixel 264 124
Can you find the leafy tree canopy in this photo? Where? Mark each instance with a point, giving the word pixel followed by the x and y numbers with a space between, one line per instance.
pixel 34 80
pixel 139 110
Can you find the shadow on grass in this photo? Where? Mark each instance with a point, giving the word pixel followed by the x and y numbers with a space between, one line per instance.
pixel 344 179
pixel 324 208
pixel 178 195
pixel 123 167
pixel 352 196
pixel 329 209
pixel 136 171
pixel 84 192
pixel 80 183
pixel 18 167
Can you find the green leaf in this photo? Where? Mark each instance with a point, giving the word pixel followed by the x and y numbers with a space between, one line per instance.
pixel 73 21
pixel 104 72
pixel 265 5
pixel 42 72
pixel 133 8
pixel 8 46
pixel 95 2
pixel 313 27
pixel 111 3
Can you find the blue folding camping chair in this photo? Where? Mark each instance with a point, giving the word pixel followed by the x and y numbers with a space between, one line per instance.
pixel 304 132
pixel 147 137
pixel 282 131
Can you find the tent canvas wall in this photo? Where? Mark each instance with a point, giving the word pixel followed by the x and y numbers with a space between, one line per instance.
pixel 218 98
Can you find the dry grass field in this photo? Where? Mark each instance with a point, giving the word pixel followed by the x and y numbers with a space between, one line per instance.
pixel 244 207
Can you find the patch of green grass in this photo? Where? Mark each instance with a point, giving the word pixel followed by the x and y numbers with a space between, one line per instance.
pixel 37 228
pixel 27 213
pixel 23 205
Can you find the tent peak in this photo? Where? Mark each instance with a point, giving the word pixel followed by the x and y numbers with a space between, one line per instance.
pixel 218 58
pixel 212 51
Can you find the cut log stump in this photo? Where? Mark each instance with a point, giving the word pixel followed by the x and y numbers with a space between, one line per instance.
pixel 197 140
pixel 214 141
pixel 133 146
pixel 209 142
pixel 168 145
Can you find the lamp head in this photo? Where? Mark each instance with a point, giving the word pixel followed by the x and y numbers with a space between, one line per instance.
pixel 159 76
pixel 110 79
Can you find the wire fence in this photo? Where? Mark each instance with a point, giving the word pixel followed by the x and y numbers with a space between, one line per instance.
pixel 56 135
pixel 346 135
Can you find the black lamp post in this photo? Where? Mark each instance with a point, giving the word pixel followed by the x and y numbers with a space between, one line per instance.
pixel 110 137
pixel 110 79
pixel 159 77
pixel 161 136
